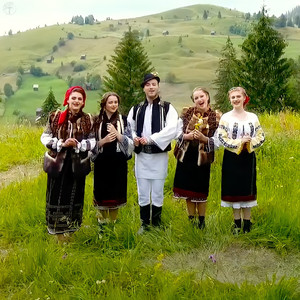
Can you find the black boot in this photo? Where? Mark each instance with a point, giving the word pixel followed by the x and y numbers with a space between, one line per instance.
pixel 201 224
pixel 237 226
pixel 247 226
pixel 156 215
pixel 145 217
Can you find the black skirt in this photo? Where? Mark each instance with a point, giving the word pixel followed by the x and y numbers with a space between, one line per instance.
pixel 191 181
pixel 64 200
pixel 239 177
pixel 110 180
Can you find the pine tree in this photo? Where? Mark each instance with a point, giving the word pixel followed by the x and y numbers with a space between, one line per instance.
pixel 126 71
pixel 263 72
pixel 226 76
pixel 50 104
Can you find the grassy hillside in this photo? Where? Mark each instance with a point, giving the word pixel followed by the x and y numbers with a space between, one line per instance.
pixel 172 262
pixel 194 62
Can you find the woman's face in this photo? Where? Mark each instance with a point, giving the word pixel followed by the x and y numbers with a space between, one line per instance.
pixel 75 102
pixel 112 104
pixel 201 100
pixel 237 99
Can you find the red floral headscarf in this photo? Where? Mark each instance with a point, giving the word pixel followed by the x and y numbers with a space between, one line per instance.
pixel 75 88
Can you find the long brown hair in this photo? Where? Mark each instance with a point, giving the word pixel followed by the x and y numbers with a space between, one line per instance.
pixel 104 100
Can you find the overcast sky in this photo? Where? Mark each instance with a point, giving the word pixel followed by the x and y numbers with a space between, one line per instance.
pixel 24 14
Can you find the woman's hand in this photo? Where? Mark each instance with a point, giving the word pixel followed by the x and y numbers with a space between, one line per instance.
pixel 108 139
pixel 200 137
pixel 70 142
pixel 188 136
pixel 246 139
pixel 111 129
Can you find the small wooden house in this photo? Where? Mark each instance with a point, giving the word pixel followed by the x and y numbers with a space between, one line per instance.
pixel 35 87
pixel 83 57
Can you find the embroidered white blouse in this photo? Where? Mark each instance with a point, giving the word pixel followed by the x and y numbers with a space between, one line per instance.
pixel 231 131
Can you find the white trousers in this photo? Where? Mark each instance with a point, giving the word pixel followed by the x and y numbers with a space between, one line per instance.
pixel 150 190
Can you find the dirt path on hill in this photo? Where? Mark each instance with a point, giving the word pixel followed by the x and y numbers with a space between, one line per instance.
pixel 19 173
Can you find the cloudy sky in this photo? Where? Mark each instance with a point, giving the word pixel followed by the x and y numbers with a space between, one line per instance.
pixel 24 14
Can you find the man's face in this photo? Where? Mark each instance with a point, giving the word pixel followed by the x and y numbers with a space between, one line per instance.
pixel 151 89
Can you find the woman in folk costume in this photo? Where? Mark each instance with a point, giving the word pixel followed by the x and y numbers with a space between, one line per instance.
pixel 68 136
pixel 241 134
pixel 113 149
pixel 192 174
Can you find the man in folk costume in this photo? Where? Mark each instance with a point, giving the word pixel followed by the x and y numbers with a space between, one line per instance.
pixel 153 123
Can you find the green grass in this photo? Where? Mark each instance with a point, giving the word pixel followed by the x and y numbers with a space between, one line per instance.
pixel 19 145
pixel 168 263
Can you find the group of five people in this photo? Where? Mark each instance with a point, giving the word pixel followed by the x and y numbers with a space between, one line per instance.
pixel 110 139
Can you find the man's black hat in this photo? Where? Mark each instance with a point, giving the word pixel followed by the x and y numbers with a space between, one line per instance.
pixel 150 76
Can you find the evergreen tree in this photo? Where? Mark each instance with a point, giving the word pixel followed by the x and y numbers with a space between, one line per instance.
pixel 281 21
pixel 8 90
pixel 293 101
pixel 205 15
pixel 290 23
pixel 264 73
pixel 297 21
pixel 226 76
pixel 219 15
pixel 126 70
pixel 50 103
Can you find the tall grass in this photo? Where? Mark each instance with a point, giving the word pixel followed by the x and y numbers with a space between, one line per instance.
pixel 168 263
pixel 19 145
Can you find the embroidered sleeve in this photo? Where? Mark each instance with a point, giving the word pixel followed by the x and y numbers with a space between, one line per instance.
pixel 126 146
pixel 86 144
pixel 47 138
pixel 132 123
pixel 232 144
pixel 258 137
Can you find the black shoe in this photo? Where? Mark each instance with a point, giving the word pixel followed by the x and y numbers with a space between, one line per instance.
pixel 247 226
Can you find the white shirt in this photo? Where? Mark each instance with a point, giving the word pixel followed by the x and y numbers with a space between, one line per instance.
pixel 154 166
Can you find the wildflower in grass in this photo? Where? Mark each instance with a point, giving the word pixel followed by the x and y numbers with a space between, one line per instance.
pixel 100 281
pixel 213 258
pixel 157 266
pixel 160 257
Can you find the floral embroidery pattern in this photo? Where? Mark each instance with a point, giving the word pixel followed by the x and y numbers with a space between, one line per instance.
pixel 251 129
pixel 235 130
